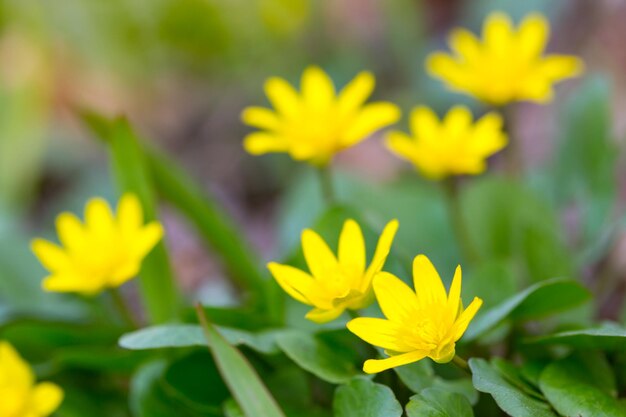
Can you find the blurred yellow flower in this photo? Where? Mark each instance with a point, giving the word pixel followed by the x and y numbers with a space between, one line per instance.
pixel 453 146
pixel 424 323
pixel 102 253
pixel 20 395
pixel 318 123
pixel 335 283
pixel 508 65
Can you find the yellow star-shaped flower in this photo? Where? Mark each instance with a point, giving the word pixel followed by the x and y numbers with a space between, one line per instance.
pixel 20 395
pixel 454 146
pixel 318 123
pixel 335 283
pixel 508 65
pixel 420 324
pixel 104 252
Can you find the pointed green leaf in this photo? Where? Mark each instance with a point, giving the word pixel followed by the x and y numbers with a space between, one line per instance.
pixel 607 337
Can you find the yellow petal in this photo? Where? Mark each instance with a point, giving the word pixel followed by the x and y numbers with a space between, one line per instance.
pixel 401 144
pixel 443 66
pixel 454 296
pixel 73 283
pixel 464 318
pixel 356 92
pixel 46 398
pixel 373 366
pixel 98 216
pixel 129 213
pixel 428 286
pixel 324 316
pixel 395 298
pixel 147 238
pixel 14 369
pixel 488 137
pixel 557 67
pixel 293 281
pixel 457 121
pixel 70 230
pixel 124 273
pixel 318 255
pixel 260 117
pixel 352 247
pixel 532 35
pixel 380 332
pixel 380 254
pixel 318 91
pixel 371 118
pixel 465 44
pixel 259 143
pixel 283 97
pixel 51 256
pixel 498 32
pixel 424 124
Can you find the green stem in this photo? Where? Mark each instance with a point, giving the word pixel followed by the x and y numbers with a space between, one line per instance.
pixel 123 309
pixel 461 363
pixel 326 184
pixel 513 153
pixel 353 314
pixel 455 211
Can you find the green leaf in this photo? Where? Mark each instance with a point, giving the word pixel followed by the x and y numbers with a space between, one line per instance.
pixel 607 337
pixel 363 398
pixel 582 387
pixel 316 356
pixel 433 402
pixel 159 293
pixel 215 226
pixel 538 300
pixel 191 335
pixel 511 399
pixel 244 384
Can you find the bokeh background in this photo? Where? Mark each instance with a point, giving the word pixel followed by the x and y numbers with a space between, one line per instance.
pixel 182 71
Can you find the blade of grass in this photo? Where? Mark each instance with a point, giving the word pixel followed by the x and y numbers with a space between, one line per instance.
pixel 244 383
pixel 158 290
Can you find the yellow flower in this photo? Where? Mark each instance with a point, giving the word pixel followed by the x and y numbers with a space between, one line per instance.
pixel 508 65
pixel 335 283
pixel 453 146
pixel 104 252
pixel 317 124
pixel 20 395
pixel 420 324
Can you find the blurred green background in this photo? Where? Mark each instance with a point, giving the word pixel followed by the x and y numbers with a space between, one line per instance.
pixel 182 71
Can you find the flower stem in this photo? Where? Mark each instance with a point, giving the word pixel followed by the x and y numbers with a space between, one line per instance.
pixel 123 309
pixel 461 363
pixel 455 211
pixel 326 184
pixel 353 313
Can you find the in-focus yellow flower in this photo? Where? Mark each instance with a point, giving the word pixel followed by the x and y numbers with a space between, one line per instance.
pixel 335 283
pixel 453 146
pixel 104 252
pixel 424 323
pixel 508 65
pixel 20 395
pixel 318 123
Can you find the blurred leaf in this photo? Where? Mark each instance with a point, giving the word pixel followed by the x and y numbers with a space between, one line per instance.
pixel 606 337
pixel 284 16
pixel 315 356
pixel 243 382
pixel 433 402
pixel 538 300
pixel 213 224
pixel 510 398
pixel 363 398
pixel 158 289
pixel 190 335
pixel 583 386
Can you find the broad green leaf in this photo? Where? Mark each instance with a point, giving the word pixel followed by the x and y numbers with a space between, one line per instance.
pixel 606 337
pixel 511 399
pixel 316 356
pixel 130 166
pixel 581 387
pixel 215 226
pixel 538 300
pixel 434 402
pixel 420 375
pixel 190 335
pixel 363 398
pixel 244 383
